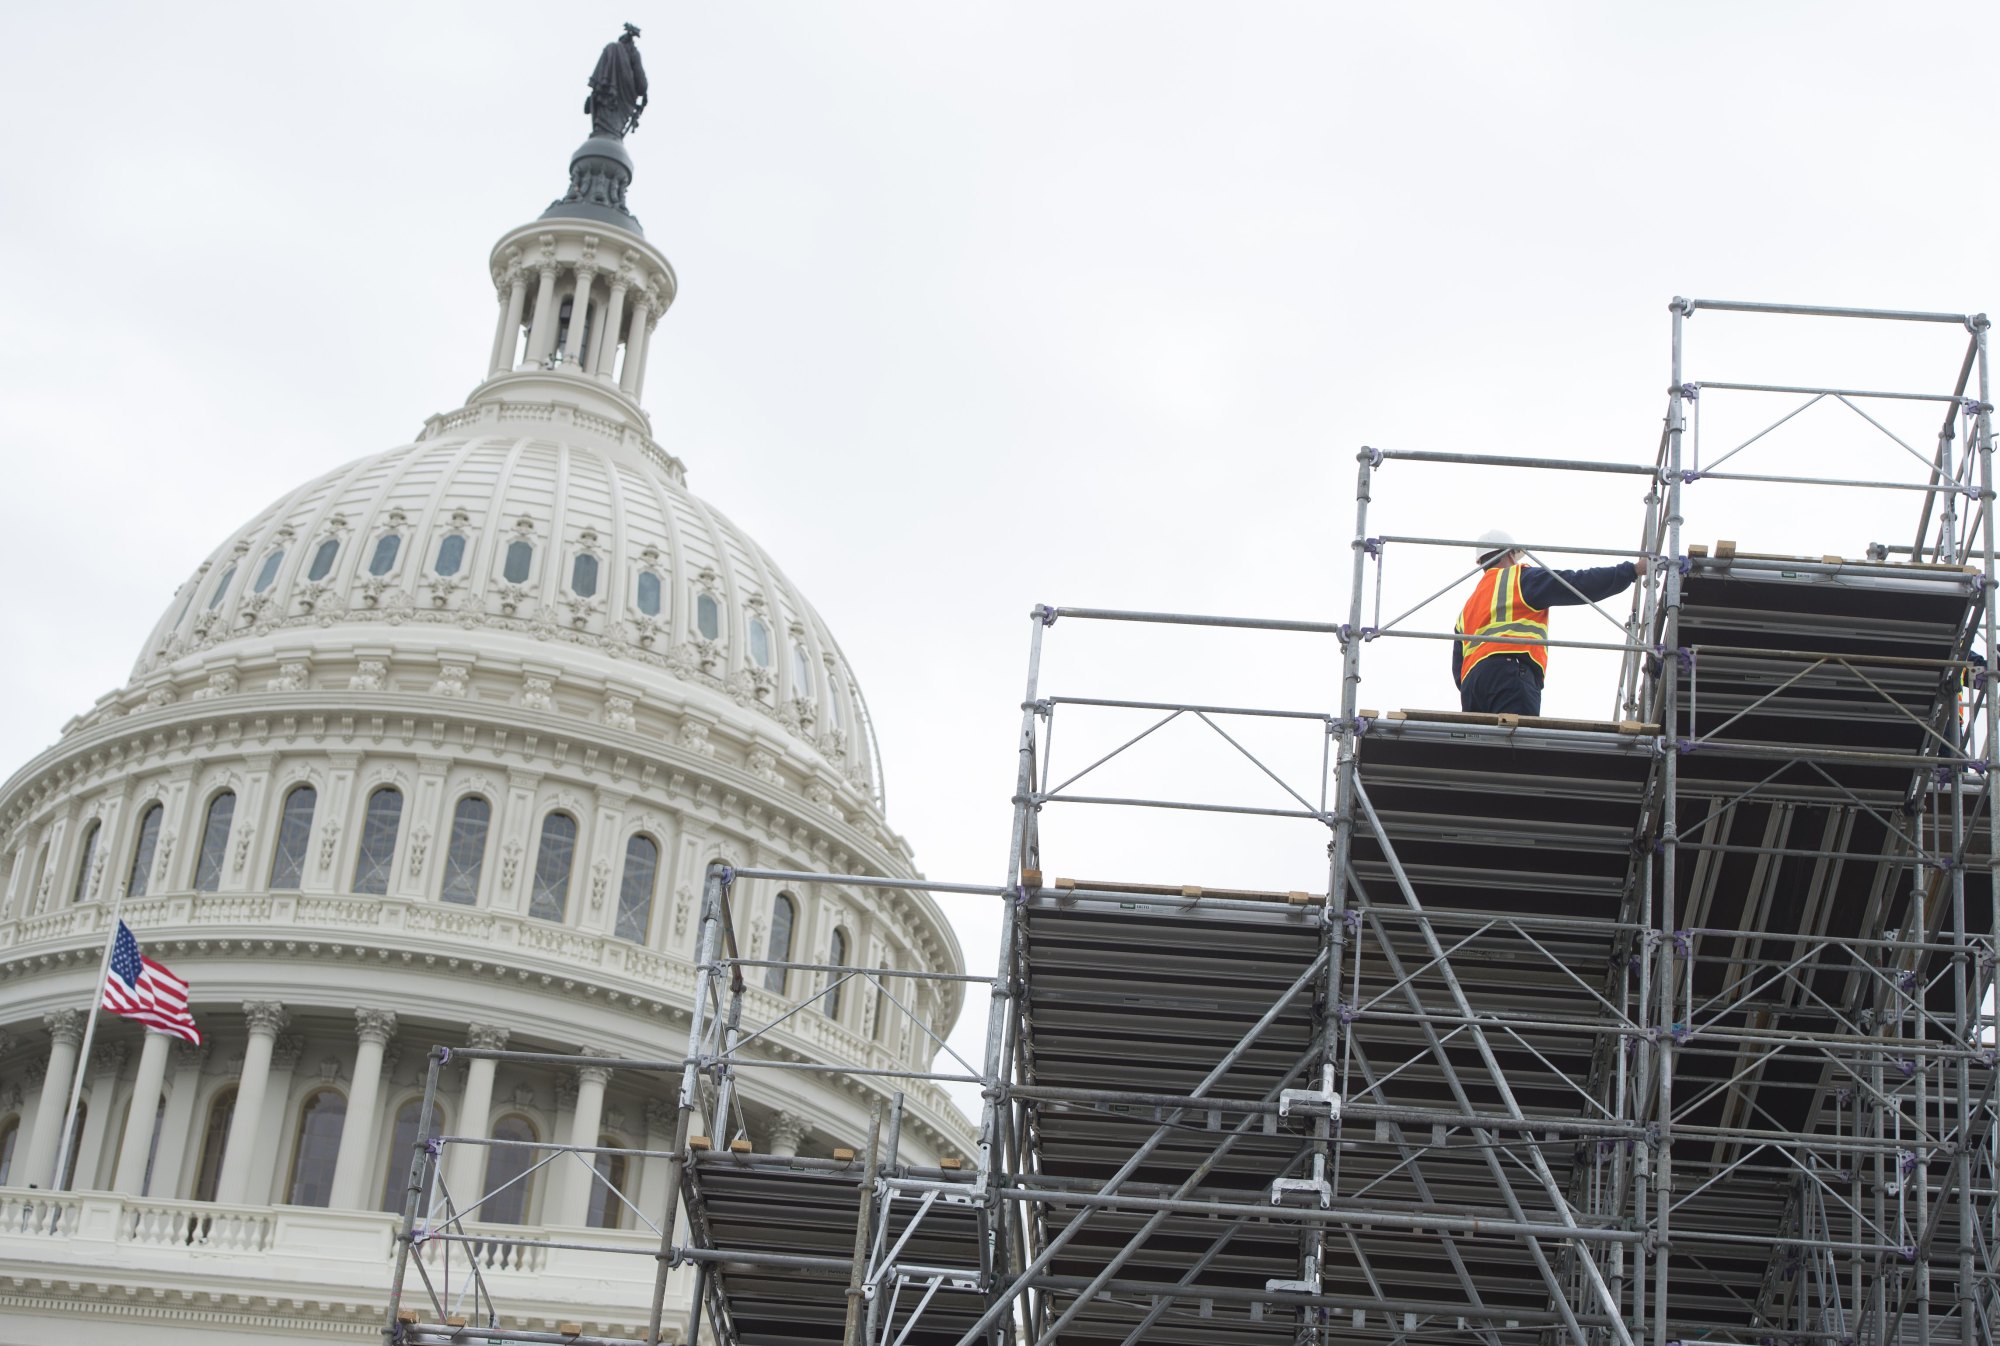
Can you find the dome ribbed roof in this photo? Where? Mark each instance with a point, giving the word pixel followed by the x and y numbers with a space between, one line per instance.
pixel 572 551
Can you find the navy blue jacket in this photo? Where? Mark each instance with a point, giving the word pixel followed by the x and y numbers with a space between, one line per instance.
pixel 1541 589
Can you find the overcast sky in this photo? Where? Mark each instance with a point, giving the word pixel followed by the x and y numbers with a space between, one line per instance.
pixel 986 306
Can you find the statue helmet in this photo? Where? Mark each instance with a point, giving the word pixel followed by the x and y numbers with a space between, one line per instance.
pixel 631 30
pixel 1493 544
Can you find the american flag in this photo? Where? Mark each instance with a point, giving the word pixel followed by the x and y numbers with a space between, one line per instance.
pixel 139 988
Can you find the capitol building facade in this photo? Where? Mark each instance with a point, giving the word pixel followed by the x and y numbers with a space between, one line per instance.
pixel 436 749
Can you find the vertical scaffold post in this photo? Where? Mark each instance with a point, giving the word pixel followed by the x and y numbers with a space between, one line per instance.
pixel 422 1162
pixel 864 1219
pixel 1665 982
pixel 712 893
pixel 1973 1000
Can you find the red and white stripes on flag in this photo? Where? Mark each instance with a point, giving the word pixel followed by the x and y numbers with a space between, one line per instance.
pixel 139 988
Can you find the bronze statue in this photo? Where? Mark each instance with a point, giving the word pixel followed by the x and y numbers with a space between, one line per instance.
pixel 617 88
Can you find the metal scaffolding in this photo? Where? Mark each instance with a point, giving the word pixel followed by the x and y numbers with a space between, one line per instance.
pixel 1669 1028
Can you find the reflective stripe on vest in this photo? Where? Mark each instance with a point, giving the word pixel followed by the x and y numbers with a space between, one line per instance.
pixel 1495 611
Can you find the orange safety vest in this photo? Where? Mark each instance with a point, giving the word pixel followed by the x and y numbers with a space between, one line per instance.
pixel 1495 611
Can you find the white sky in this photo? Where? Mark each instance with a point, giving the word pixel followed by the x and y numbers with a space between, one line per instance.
pixel 986 306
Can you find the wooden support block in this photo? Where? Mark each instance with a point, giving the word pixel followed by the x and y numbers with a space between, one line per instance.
pixel 1507 721
pixel 739 1146
pixel 1724 550
pixel 698 1142
pixel 407 1316
pixel 569 1329
pixel 1631 726
pixel 1065 885
pixel 1698 549
pixel 1189 890
pixel 1369 714
pixel 842 1155
pixel 1031 879
pixel 1399 715
pixel 454 1320
pixel 951 1163
pixel 1298 899
pixel 1833 560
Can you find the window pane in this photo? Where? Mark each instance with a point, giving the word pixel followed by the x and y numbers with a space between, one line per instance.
pixel 378 841
pixel 451 554
pixel 783 913
pixel 708 617
pixel 7 1139
pixel 323 559
pixel 552 866
pixel 635 892
pixel 214 843
pixel 520 555
pixel 288 866
pixel 760 642
pixel 802 673
pixel 402 1144
pixel 649 593
pixel 504 1163
pixel 213 1140
pixel 466 855
pixel 583 576
pixel 319 1143
pixel 836 953
pixel 142 854
pixel 384 559
pixel 83 863
pixel 268 572
pixel 221 589
pixel 606 1210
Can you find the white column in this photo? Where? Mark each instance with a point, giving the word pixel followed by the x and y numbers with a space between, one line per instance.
pixel 465 1165
pixel 65 1036
pixel 571 1199
pixel 607 344
pixel 509 334
pixel 170 1161
pixel 107 1062
pixel 542 335
pixel 579 315
pixel 139 1114
pixel 354 1164
pixel 266 1018
pixel 661 1116
pixel 786 1131
pixel 635 343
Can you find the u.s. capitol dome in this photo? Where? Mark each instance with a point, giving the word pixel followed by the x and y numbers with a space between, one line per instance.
pixel 436 749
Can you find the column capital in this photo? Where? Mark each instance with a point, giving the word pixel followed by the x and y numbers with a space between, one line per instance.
pixel 662 1115
pixel 549 270
pixel 65 1026
pixel 487 1037
pixel 265 1016
pixel 286 1051
pixel 375 1025
pixel 593 1074
pixel 786 1130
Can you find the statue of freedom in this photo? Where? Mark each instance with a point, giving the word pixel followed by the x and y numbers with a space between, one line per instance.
pixel 617 88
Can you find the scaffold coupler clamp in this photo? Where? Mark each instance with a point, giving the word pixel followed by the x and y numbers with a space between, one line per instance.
pixel 1308 1284
pixel 1373 546
pixel 1314 1102
pixel 1371 456
pixel 1045 613
pixel 1691 391
pixel 1304 1191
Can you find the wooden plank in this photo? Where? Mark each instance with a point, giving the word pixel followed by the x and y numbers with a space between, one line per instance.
pixel 1526 721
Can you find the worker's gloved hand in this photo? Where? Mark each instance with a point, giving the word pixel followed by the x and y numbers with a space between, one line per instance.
pixel 1642 565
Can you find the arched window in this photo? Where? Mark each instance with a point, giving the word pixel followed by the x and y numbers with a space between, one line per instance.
pixel 214 842
pixel 784 915
pixel 553 861
pixel 635 889
pixel 465 857
pixel 836 952
pixel 583 575
pixel 451 554
pixel 295 825
pixel 402 1147
pixel 214 1139
pixel 760 642
pixel 802 673
pixel 376 855
pixel 142 854
pixel 267 573
pixel 649 593
pixel 520 556
pixel 386 548
pixel 606 1210
pixel 504 1165
pixel 708 617
pixel 10 1133
pixel 221 589
pixel 320 1120
pixel 84 860
pixel 322 562
pixel 67 1183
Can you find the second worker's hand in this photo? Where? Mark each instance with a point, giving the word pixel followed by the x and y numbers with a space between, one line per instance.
pixel 1641 565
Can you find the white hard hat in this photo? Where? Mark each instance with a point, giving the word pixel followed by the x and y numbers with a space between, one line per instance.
pixel 1493 544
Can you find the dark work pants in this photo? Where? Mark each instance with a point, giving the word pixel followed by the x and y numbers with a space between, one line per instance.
pixel 1505 684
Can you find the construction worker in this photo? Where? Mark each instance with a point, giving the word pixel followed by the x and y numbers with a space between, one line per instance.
pixel 1502 676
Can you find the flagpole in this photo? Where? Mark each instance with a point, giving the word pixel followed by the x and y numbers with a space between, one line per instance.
pixel 83 1053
